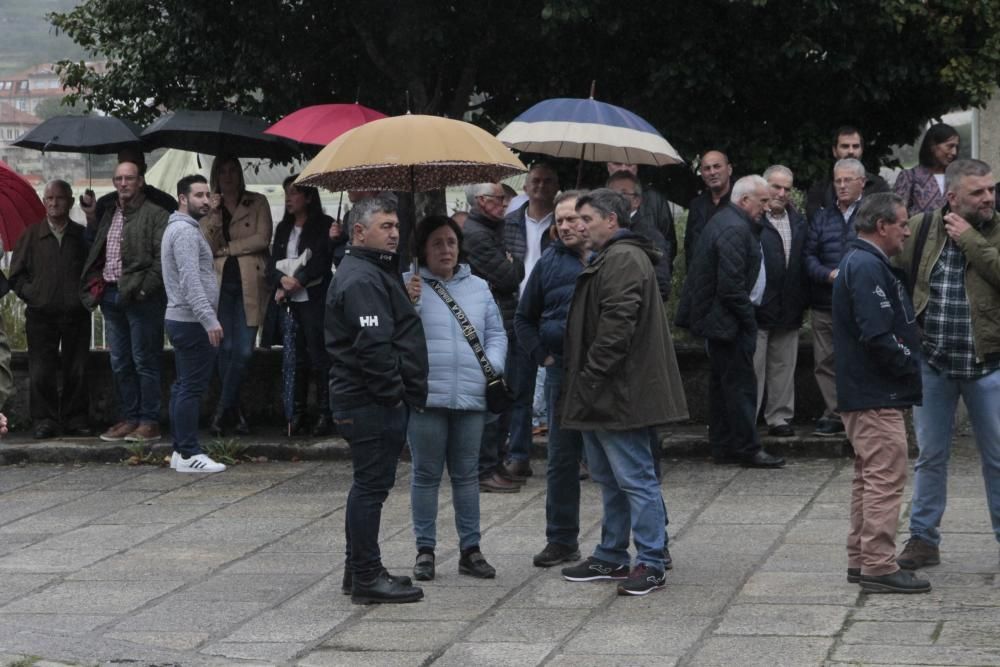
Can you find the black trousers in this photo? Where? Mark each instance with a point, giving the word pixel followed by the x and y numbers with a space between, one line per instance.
pixel 311 359
pixel 58 349
pixel 732 397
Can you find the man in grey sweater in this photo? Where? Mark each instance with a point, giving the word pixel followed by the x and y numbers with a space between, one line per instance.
pixel 191 321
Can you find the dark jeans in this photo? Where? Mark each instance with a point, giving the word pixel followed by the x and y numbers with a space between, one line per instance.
pixel 562 475
pixel 311 358
pixel 194 358
pixel 134 334
pixel 237 343
pixel 46 362
pixel 732 397
pixel 376 435
pixel 521 372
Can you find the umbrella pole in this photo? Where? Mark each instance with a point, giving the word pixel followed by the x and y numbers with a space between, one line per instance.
pixel 579 168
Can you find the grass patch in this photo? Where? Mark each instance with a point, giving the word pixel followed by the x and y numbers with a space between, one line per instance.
pixel 230 451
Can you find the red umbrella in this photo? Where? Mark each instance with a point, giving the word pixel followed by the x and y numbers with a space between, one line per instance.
pixel 19 206
pixel 322 123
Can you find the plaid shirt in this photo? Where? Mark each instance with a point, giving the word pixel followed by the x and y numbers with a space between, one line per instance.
pixel 113 249
pixel 948 345
pixel 784 226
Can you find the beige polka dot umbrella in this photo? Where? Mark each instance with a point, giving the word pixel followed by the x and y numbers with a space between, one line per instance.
pixel 411 153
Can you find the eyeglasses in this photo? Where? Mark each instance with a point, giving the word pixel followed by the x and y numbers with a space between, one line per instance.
pixel 628 194
pixel 846 181
pixel 125 179
pixel 500 197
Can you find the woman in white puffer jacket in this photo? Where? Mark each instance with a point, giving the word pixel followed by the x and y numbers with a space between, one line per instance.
pixel 449 429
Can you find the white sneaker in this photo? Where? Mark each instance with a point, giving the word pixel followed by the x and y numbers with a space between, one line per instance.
pixel 174 458
pixel 198 463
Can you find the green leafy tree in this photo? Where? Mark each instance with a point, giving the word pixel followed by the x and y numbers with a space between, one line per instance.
pixel 768 80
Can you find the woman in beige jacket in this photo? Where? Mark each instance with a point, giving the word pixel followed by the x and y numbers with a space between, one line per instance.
pixel 238 229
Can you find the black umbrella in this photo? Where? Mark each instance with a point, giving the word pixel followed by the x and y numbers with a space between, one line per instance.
pixel 82 134
pixel 217 133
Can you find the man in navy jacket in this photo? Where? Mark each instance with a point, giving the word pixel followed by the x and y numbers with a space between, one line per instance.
pixel 877 345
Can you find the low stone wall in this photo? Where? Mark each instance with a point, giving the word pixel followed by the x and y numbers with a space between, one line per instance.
pixel 262 389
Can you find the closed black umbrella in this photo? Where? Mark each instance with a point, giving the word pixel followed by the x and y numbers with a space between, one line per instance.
pixel 96 135
pixel 217 133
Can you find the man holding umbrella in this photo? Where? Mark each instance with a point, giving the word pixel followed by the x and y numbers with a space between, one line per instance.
pixel 379 372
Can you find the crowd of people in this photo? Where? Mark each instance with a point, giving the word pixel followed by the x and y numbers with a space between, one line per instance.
pixel 903 291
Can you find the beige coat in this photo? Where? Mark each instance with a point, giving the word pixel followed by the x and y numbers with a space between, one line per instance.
pixel 250 234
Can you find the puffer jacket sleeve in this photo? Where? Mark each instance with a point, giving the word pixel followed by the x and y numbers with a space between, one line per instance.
pixel 731 288
pixel 817 272
pixel 529 315
pixel 489 261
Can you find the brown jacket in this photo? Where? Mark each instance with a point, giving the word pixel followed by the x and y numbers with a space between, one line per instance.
pixel 46 274
pixel 250 234
pixel 621 371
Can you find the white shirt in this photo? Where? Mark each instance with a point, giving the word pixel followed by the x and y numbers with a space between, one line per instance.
pixel 534 230
pixel 292 253
pixel 757 293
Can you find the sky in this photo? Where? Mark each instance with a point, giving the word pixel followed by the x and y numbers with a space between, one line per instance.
pixel 27 38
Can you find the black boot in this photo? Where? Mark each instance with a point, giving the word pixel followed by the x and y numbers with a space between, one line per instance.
pixel 217 426
pixel 299 425
pixel 323 426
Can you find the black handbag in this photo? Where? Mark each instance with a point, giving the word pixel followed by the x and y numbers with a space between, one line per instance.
pixel 498 395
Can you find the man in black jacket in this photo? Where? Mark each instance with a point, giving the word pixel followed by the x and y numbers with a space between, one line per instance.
pixel 779 316
pixel 724 283
pixel 485 249
pixel 379 372
pixel 717 173
pixel 45 273
pixel 877 345
pixel 848 142
pixel 627 185
pixel 654 209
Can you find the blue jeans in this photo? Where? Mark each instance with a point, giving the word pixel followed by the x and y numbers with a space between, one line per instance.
pixel 521 371
pixel 622 463
pixel 376 434
pixel 562 474
pixel 134 333
pixel 237 343
pixel 437 437
pixel 194 358
pixel 934 421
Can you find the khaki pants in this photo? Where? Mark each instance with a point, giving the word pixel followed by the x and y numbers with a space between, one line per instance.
pixel 823 369
pixel 774 363
pixel 879 441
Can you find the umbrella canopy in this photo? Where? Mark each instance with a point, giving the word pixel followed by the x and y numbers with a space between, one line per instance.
pixel 97 135
pixel 320 124
pixel 216 133
pixel 410 153
pixel 19 206
pixel 588 130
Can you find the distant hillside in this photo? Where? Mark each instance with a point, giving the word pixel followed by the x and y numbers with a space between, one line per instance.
pixel 26 38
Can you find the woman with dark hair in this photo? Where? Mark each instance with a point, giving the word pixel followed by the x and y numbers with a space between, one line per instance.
pixel 305 227
pixel 449 428
pixel 922 187
pixel 238 229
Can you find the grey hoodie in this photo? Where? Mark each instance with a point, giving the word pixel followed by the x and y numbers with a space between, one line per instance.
pixel 189 273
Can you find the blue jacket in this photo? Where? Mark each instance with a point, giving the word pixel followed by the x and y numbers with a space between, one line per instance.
pixel 876 341
pixel 455 380
pixel 540 321
pixel 826 243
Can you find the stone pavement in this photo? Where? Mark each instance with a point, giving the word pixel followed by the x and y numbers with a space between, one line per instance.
pixel 105 563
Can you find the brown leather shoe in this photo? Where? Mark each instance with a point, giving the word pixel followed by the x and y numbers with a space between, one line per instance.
pixel 118 431
pixel 144 433
pixel 518 470
pixel 497 484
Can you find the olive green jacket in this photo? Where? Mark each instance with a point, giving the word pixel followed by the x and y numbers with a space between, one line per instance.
pixel 142 273
pixel 981 247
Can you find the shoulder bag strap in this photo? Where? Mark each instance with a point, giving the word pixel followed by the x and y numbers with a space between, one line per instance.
pixel 468 330
pixel 918 251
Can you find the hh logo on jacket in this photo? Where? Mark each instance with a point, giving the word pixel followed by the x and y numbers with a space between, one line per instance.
pixel 369 320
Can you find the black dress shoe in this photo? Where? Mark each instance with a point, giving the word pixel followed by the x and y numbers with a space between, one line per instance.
pixel 763 460
pixel 474 564
pixel 385 589
pixel 900 581
pixel 829 428
pixel 423 569
pixel 323 426
pixel 347 583
pixel 239 420
pixel 781 431
pixel 45 431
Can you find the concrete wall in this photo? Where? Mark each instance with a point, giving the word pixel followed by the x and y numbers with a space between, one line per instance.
pixel 262 390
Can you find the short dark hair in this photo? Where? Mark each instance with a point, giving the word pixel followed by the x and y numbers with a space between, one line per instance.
pixel 938 133
pixel 383 202
pixel 879 206
pixel 607 201
pixel 314 208
pixel 845 130
pixel 184 185
pixel 428 226
pixel 961 168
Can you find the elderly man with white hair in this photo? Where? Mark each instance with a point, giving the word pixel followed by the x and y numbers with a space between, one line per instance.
pixel 725 281
pixel 830 230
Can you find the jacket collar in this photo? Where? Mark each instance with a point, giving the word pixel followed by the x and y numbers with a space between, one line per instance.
pixel 480 217
pixel 869 247
pixel 383 259
pixel 135 204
